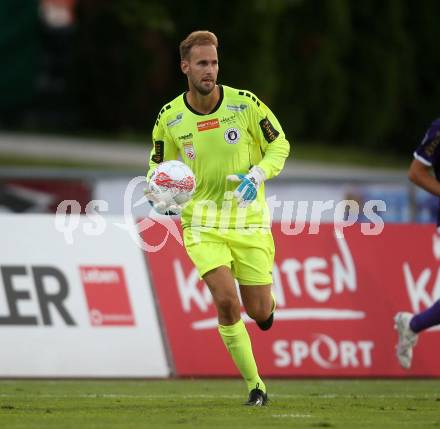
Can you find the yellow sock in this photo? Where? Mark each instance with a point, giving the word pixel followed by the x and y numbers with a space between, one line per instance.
pixel 238 343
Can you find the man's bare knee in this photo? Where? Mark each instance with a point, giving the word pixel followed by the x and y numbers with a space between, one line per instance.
pixel 222 286
pixel 227 304
pixel 258 313
pixel 258 301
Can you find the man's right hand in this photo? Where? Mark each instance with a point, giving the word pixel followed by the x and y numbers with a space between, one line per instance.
pixel 162 207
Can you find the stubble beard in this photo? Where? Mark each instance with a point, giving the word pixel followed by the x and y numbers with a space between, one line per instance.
pixel 202 89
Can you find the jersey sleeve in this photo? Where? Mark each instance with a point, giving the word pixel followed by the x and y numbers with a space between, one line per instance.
pixel 267 131
pixel 164 148
pixel 428 152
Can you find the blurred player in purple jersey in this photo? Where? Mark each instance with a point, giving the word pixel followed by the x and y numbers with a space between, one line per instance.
pixel 426 158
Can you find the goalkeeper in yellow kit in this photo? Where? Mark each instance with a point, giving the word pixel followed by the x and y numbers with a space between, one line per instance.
pixel 233 143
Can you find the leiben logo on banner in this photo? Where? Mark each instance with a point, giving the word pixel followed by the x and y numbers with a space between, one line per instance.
pixel 107 297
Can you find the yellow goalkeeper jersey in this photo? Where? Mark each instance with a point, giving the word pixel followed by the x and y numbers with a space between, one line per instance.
pixel 239 133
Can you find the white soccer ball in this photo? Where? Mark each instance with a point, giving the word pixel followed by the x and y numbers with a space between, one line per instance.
pixel 173 183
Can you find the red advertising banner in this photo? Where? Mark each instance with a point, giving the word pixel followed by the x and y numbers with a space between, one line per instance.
pixel 336 298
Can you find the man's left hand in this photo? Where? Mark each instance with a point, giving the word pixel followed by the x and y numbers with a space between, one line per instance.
pixel 246 191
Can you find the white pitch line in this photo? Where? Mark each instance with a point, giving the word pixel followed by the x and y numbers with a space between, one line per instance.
pixel 204 396
pixel 292 416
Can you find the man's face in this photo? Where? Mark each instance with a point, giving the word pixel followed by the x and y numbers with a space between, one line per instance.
pixel 201 68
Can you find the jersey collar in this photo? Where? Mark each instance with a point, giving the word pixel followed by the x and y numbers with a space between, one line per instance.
pixel 216 107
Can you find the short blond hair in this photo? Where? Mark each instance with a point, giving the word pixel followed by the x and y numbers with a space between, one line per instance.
pixel 196 38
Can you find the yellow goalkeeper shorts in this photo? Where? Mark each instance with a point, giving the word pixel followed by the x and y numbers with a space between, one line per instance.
pixel 249 253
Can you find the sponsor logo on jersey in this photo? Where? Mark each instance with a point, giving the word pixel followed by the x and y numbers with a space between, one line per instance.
pixel 269 132
pixel 208 125
pixel 226 120
pixel 235 108
pixel 430 148
pixel 188 148
pixel 158 151
pixel 185 136
pixel 175 121
pixel 232 135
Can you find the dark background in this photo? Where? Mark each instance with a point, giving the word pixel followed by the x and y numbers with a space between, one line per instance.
pixel 337 71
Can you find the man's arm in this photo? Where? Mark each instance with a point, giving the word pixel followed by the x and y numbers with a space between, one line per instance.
pixel 420 174
pixel 163 149
pixel 270 136
pixel 274 148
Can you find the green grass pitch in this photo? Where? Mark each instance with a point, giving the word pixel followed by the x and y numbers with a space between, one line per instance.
pixel 217 404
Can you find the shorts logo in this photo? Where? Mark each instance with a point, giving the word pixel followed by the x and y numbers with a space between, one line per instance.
pixel 208 125
pixel 188 148
pixel 232 135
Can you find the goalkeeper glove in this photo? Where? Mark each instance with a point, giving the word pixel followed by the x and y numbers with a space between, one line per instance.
pixel 246 191
pixel 166 206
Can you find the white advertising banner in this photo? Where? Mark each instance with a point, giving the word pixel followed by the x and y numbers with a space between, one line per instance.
pixel 76 300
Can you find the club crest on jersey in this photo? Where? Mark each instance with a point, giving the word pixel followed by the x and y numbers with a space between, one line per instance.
pixel 232 135
pixel 188 148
